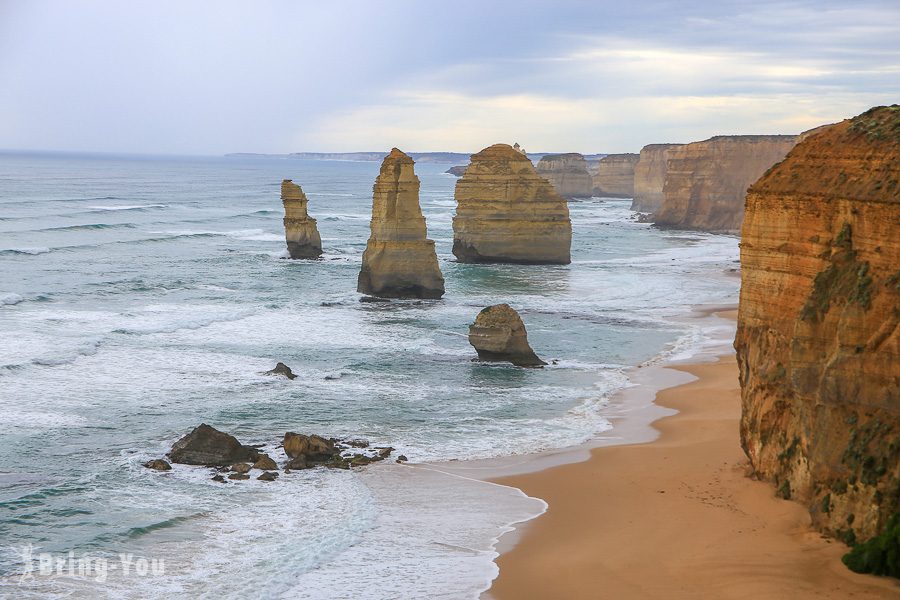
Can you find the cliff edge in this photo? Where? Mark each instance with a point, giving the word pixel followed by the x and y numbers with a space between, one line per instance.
pixel 818 342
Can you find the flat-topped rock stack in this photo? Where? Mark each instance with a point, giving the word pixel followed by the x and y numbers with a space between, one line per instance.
pixel 507 213
pixel 568 173
pixel 399 261
pixel 300 232
pixel 650 177
pixel 614 176
pixel 706 182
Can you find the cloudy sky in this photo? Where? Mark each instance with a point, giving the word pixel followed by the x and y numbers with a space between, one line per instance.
pixel 595 76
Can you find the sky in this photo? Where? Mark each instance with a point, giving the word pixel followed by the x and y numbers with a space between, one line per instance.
pixel 212 77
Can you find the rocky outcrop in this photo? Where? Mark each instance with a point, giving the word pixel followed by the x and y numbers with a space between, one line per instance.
pixel 567 173
pixel 158 464
pixel 308 451
pixel 457 171
pixel 208 446
pixel 303 240
pixel 399 262
pixel 507 213
pixel 650 177
pixel 818 341
pixel 706 181
pixel 498 335
pixel 281 370
pixel 614 176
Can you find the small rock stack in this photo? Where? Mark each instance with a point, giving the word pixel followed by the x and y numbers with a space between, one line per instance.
pixel 300 231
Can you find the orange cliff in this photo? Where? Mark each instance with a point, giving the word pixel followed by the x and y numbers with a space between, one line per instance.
pixel 614 176
pixel 650 177
pixel 706 182
pixel 818 342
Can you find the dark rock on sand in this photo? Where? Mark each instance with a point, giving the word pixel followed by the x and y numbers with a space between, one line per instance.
pixel 208 446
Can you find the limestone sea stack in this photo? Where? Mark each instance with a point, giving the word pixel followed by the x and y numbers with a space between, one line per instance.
pixel 568 173
pixel 300 231
pixel 650 177
pixel 614 176
pixel 706 182
pixel 498 334
pixel 507 213
pixel 399 261
pixel 818 338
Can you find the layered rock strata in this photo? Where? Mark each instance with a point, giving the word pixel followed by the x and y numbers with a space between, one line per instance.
pixel 507 213
pixel 614 176
pixel 300 231
pixel 818 341
pixel 567 173
pixel 706 182
pixel 399 261
pixel 650 177
pixel 499 335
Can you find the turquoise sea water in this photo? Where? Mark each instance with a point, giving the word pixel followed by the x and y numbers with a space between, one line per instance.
pixel 140 297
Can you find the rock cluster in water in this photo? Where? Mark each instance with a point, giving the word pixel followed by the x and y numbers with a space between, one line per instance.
pixel 567 173
pixel 650 177
pixel 818 338
pixel 499 335
pixel 207 446
pixel 303 240
pixel 507 213
pixel 706 182
pixel 399 261
pixel 613 176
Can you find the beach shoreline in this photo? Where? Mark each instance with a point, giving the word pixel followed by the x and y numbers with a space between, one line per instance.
pixel 673 516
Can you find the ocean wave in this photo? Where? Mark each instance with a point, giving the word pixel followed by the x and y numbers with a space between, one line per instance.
pixel 10 299
pixel 91 226
pixel 128 207
pixel 32 251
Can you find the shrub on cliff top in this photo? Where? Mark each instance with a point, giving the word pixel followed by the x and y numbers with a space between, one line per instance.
pixel 880 555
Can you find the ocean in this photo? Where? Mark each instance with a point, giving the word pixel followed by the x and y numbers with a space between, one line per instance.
pixel 142 296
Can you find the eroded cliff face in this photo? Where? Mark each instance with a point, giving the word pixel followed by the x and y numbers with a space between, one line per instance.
pixel 507 213
pixel 650 177
pixel 614 176
pixel 706 182
pixel 300 231
pixel 567 173
pixel 817 342
pixel 399 262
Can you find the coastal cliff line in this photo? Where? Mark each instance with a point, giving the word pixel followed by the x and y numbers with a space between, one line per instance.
pixel 818 341
pixel 706 182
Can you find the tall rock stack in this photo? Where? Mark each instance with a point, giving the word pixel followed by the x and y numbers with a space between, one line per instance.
pixel 568 173
pixel 706 182
pixel 507 213
pixel 650 177
pixel 818 339
pixel 300 232
pixel 614 176
pixel 399 261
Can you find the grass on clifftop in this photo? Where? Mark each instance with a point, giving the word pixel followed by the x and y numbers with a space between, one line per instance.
pixel 879 123
pixel 880 555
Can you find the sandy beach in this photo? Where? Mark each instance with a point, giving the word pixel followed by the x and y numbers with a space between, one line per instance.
pixel 675 518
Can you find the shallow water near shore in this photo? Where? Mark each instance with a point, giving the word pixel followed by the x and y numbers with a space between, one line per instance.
pixel 142 296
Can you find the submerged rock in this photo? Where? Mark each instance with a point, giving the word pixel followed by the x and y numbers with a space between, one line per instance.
pixel 399 261
pixel 265 463
pixel 568 173
pixel 268 476
pixel 238 477
pixel 208 446
pixel 283 370
pixel 507 213
pixel 158 464
pixel 241 468
pixel 498 334
pixel 300 231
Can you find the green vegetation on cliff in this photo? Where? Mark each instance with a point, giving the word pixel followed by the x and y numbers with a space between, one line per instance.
pixel 880 555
